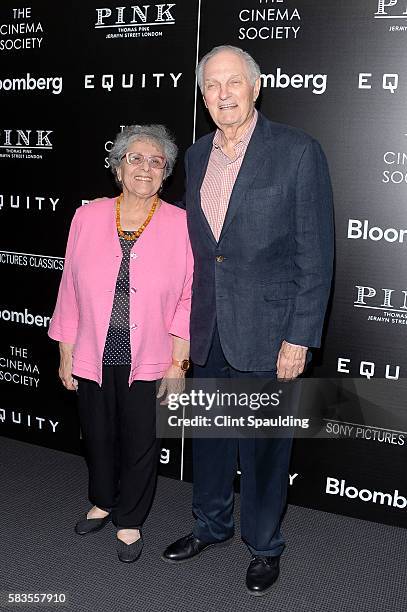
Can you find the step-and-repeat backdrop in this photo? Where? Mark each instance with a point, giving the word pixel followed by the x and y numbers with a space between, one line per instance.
pixel 72 76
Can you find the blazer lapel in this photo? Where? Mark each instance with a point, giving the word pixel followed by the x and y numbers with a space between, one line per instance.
pixel 251 165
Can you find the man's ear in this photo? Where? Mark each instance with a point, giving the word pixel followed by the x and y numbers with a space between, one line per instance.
pixel 203 97
pixel 256 89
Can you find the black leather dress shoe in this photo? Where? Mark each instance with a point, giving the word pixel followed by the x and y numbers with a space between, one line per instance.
pixel 85 526
pixel 187 547
pixel 128 553
pixel 262 574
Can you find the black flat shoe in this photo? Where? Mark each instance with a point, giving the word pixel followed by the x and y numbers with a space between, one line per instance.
pixel 128 553
pixel 85 526
pixel 186 548
pixel 262 574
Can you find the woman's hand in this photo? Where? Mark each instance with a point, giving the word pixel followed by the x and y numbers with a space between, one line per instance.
pixel 173 382
pixel 65 366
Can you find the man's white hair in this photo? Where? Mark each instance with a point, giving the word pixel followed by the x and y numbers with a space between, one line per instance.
pixel 253 68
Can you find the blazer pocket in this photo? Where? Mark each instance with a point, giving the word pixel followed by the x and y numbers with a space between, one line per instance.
pixel 280 290
pixel 264 193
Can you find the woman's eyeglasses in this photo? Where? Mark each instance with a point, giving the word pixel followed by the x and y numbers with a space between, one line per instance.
pixel 154 161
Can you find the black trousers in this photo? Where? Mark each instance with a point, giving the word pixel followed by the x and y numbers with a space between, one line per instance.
pixel 122 451
pixel 264 466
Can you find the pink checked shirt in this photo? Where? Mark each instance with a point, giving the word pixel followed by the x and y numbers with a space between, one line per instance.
pixel 220 177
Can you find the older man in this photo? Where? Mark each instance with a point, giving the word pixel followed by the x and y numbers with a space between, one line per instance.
pixel 259 208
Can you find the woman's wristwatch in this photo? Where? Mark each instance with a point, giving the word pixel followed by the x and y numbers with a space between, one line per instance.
pixel 184 364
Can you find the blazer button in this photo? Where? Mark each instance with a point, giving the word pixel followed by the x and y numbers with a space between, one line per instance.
pixel 220 258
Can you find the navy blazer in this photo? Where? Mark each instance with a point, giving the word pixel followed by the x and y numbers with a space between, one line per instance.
pixel 268 277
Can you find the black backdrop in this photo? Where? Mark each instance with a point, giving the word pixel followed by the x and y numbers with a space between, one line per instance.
pixel 72 75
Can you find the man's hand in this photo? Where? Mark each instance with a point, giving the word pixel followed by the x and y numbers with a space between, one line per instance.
pixel 290 361
pixel 173 382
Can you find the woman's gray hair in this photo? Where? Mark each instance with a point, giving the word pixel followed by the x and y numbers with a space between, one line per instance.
pixel 155 133
pixel 252 67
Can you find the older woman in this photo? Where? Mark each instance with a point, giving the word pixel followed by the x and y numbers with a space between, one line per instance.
pixel 122 322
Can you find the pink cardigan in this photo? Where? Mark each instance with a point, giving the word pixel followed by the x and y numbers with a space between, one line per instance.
pixel 161 268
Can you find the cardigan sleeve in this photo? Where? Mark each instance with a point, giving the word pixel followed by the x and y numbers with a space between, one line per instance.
pixel 180 323
pixel 64 322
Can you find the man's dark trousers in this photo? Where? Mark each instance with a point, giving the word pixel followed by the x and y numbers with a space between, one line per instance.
pixel 264 464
